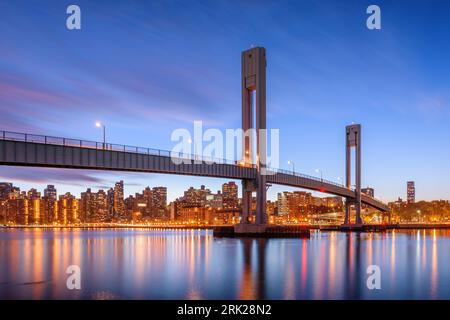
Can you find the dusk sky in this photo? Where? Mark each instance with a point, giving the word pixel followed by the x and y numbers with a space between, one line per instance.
pixel 146 68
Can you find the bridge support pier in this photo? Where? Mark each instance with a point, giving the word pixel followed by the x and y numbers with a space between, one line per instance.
pixel 353 139
pixel 347 211
pixel 247 190
pixel 254 96
pixel 261 196
pixel 348 204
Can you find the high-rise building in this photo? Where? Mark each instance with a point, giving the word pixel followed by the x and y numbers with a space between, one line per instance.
pixel 282 203
pixel 49 205
pixel 10 205
pixel 151 203
pixel 195 197
pixel 50 192
pixel 87 208
pixel 160 201
pixel 101 206
pixel 215 201
pixel 299 204
pixel 119 204
pixel 68 209
pixel 130 214
pixel 5 189
pixel 295 204
pixel 202 194
pixel 110 203
pixel 34 207
pixel 410 192
pixel 21 210
pixel 230 195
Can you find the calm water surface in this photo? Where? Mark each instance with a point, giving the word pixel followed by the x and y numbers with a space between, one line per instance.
pixel 192 264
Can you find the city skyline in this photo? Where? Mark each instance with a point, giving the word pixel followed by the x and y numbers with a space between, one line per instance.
pixel 199 205
pixel 145 91
pixel 131 189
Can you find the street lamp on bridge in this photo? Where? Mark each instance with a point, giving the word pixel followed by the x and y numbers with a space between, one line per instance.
pixel 321 177
pixel 98 124
pixel 293 166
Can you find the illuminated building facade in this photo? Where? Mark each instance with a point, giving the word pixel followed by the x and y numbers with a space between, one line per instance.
pixel 230 195
pixel 67 209
pixel 410 192
pixel 119 204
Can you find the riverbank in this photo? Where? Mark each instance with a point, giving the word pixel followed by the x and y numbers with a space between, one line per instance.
pixel 368 227
pixel 109 226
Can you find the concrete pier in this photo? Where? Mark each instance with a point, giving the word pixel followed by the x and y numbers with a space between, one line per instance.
pixel 365 227
pixel 262 231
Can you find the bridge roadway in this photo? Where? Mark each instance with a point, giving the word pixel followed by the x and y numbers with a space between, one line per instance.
pixel 19 149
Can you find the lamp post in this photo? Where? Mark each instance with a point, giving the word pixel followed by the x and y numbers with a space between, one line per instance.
pixel 98 124
pixel 293 166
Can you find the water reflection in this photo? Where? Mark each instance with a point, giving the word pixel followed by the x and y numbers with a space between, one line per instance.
pixel 252 282
pixel 192 264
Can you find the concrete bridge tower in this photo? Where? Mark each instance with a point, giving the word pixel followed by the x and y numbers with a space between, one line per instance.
pixel 254 94
pixel 353 139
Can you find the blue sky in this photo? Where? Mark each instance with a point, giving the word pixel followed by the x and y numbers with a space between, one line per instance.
pixel 146 68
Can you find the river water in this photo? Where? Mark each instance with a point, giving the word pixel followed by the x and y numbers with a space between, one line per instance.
pixel 192 264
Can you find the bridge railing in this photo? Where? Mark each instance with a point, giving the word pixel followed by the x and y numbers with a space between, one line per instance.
pixel 301 175
pixel 298 174
pixel 87 144
pixel 381 203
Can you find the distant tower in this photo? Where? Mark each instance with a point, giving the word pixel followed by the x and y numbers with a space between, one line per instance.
pixel 254 94
pixel 230 195
pixel 119 204
pixel 50 192
pixel 5 189
pixel 410 192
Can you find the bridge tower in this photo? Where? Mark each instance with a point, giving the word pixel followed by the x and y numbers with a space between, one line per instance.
pixel 254 94
pixel 353 139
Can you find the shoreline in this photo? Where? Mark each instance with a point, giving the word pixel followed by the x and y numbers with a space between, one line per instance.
pixel 110 227
pixel 211 227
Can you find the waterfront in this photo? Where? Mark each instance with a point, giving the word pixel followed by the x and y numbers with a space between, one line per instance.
pixel 192 264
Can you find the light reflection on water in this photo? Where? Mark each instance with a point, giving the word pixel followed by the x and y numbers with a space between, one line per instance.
pixel 192 264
